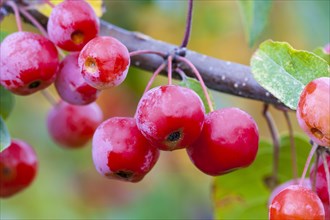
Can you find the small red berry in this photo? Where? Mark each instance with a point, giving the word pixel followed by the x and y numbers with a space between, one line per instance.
pixel 104 62
pixel 70 84
pixel 72 126
pixel 229 140
pixel 296 202
pixel 121 152
pixel 28 62
pixel 170 117
pixel 313 111
pixel 72 24
pixel 306 183
pixel 18 168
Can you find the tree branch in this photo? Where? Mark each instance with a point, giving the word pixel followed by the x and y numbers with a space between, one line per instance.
pixel 223 76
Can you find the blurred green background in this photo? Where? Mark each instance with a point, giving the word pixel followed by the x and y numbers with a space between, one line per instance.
pixel 67 185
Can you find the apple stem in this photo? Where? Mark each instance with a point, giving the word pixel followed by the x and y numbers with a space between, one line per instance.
pixel 17 16
pixel 157 71
pixel 141 52
pixel 292 146
pixel 169 69
pixel 188 25
pixel 314 173
pixel 39 27
pixel 308 161
pixel 48 2
pixel 199 77
pixel 33 21
pixel 49 97
pixel 327 174
pixel 181 73
pixel 276 143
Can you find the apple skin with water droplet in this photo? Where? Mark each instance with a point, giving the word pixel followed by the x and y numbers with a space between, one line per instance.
pixel 296 202
pixel 313 111
pixel 28 62
pixel 121 152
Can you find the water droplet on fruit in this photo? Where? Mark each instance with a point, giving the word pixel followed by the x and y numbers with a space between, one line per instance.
pixel 77 37
pixel 223 77
pixel 267 94
pixel 235 85
pixel 34 84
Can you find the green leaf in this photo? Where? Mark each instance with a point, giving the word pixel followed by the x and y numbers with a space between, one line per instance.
pixel 7 102
pixel 3 34
pixel 320 52
pixel 255 17
pixel 4 135
pixel 195 85
pixel 284 71
pixel 244 193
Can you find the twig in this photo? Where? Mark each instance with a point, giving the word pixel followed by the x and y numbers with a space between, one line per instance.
pixel 308 161
pixel 276 144
pixel 292 146
pixel 199 77
pixel 16 12
pixel 188 24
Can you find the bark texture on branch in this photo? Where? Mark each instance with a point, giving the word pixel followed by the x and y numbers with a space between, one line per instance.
pixel 223 76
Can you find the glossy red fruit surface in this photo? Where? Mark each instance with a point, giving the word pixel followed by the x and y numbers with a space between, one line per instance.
pixel 72 126
pixel 313 111
pixel 321 185
pixel 229 140
pixel 104 62
pixel 121 152
pixel 70 84
pixel 296 202
pixel 72 24
pixel 28 62
pixel 170 117
pixel 306 183
pixel 18 168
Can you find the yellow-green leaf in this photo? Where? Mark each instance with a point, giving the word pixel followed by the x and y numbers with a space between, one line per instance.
pixel 284 71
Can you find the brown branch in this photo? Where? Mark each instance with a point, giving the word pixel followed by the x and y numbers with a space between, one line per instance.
pixel 223 76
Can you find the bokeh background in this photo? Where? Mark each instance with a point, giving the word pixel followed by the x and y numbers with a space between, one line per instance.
pixel 67 185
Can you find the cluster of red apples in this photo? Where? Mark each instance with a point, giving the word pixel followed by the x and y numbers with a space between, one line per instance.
pixel 290 201
pixel 168 117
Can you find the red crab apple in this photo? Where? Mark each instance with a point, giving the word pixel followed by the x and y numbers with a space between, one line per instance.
pixel 121 152
pixel 18 168
pixel 28 62
pixel 70 84
pixel 296 202
pixel 72 126
pixel 306 183
pixel 104 62
pixel 170 117
pixel 313 111
pixel 229 140
pixel 72 24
